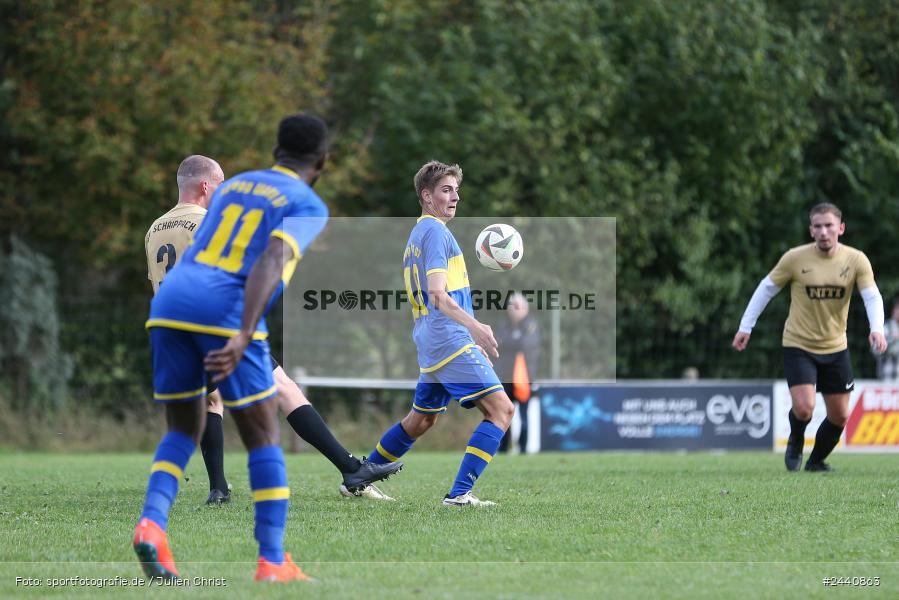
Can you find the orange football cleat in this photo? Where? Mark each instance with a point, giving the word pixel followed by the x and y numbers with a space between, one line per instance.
pixel 152 548
pixel 286 571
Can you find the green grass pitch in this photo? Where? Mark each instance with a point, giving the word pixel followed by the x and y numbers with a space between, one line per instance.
pixel 567 526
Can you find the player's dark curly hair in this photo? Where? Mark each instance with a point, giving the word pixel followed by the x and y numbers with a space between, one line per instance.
pixel 431 173
pixel 303 138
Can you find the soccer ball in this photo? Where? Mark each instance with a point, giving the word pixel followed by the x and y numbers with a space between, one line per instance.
pixel 499 247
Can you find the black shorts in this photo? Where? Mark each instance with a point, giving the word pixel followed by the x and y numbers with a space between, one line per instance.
pixel 831 373
pixel 211 387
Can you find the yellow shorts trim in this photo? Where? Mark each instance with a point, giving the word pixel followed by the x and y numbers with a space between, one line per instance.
pixel 428 410
pixel 275 493
pixel 385 453
pixel 447 359
pixel 167 467
pixel 247 399
pixel 478 452
pixel 482 392
pixel 179 395
pixel 198 328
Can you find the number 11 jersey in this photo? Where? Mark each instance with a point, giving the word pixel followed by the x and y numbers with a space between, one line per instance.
pixel 204 293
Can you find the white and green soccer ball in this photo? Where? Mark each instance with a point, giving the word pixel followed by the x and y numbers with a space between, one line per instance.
pixel 499 247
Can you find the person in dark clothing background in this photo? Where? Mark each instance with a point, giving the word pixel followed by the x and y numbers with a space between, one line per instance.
pixel 518 337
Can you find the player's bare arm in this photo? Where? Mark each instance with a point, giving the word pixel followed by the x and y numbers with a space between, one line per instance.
pixel 261 283
pixel 442 301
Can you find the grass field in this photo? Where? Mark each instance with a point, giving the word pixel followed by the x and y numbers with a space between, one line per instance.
pixel 568 526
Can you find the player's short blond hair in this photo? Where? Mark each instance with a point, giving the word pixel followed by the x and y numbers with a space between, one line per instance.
pixel 195 168
pixel 431 173
pixel 825 207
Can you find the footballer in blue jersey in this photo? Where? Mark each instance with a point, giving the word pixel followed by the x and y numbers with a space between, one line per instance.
pixel 209 317
pixel 204 293
pixel 168 240
pixel 452 344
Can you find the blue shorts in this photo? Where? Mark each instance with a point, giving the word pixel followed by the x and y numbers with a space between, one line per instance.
pixel 179 375
pixel 466 378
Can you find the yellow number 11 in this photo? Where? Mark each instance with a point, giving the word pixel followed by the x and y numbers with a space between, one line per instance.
pixel 212 254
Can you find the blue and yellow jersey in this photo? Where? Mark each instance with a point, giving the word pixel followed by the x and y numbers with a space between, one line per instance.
pixel 431 249
pixel 204 292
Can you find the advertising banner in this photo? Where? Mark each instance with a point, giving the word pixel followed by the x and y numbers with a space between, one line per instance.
pixel 659 416
pixel 873 424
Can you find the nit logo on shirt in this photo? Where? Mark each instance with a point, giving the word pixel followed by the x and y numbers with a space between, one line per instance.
pixel 825 292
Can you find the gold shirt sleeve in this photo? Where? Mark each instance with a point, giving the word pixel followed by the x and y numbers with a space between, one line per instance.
pixel 782 273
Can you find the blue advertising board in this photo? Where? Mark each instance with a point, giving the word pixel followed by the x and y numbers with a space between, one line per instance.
pixel 674 416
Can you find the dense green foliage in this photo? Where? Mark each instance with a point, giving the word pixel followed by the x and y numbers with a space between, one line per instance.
pixel 35 367
pixel 706 129
pixel 579 525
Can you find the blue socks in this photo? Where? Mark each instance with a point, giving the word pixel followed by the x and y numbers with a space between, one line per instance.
pixel 482 446
pixel 171 458
pixel 393 445
pixel 268 480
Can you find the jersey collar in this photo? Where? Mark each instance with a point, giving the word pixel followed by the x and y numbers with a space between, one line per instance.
pixel 428 217
pixel 286 171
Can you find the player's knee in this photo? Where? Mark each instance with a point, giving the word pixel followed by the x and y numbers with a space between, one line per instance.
pixel 416 424
pixel 500 412
pixel 839 419
pixel 424 424
pixel 803 409
pixel 290 396
pixel 803 412
pixel 508 411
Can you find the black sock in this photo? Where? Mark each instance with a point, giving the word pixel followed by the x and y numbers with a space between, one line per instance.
pixel 797 427
pixel 309 425
pixel 825 441
pixel 523 434
pixel 213 447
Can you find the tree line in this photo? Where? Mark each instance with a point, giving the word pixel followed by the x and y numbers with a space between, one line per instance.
pixel 707 129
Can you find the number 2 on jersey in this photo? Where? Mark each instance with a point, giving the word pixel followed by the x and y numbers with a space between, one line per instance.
pixel 167 250
pixel 212 254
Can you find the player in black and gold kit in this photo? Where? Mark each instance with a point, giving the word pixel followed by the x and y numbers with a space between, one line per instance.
pixel 822 276
pixel 165 242
pixel 170 234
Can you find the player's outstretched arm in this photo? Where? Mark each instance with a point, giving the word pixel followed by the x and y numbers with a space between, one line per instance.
pixel 766 290
pixel 261 283
pixel 874 309
pixel 442 301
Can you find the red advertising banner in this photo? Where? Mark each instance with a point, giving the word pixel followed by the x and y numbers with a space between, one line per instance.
pixel 874 420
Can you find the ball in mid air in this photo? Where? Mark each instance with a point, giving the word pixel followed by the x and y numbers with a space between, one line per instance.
pixel 499 247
